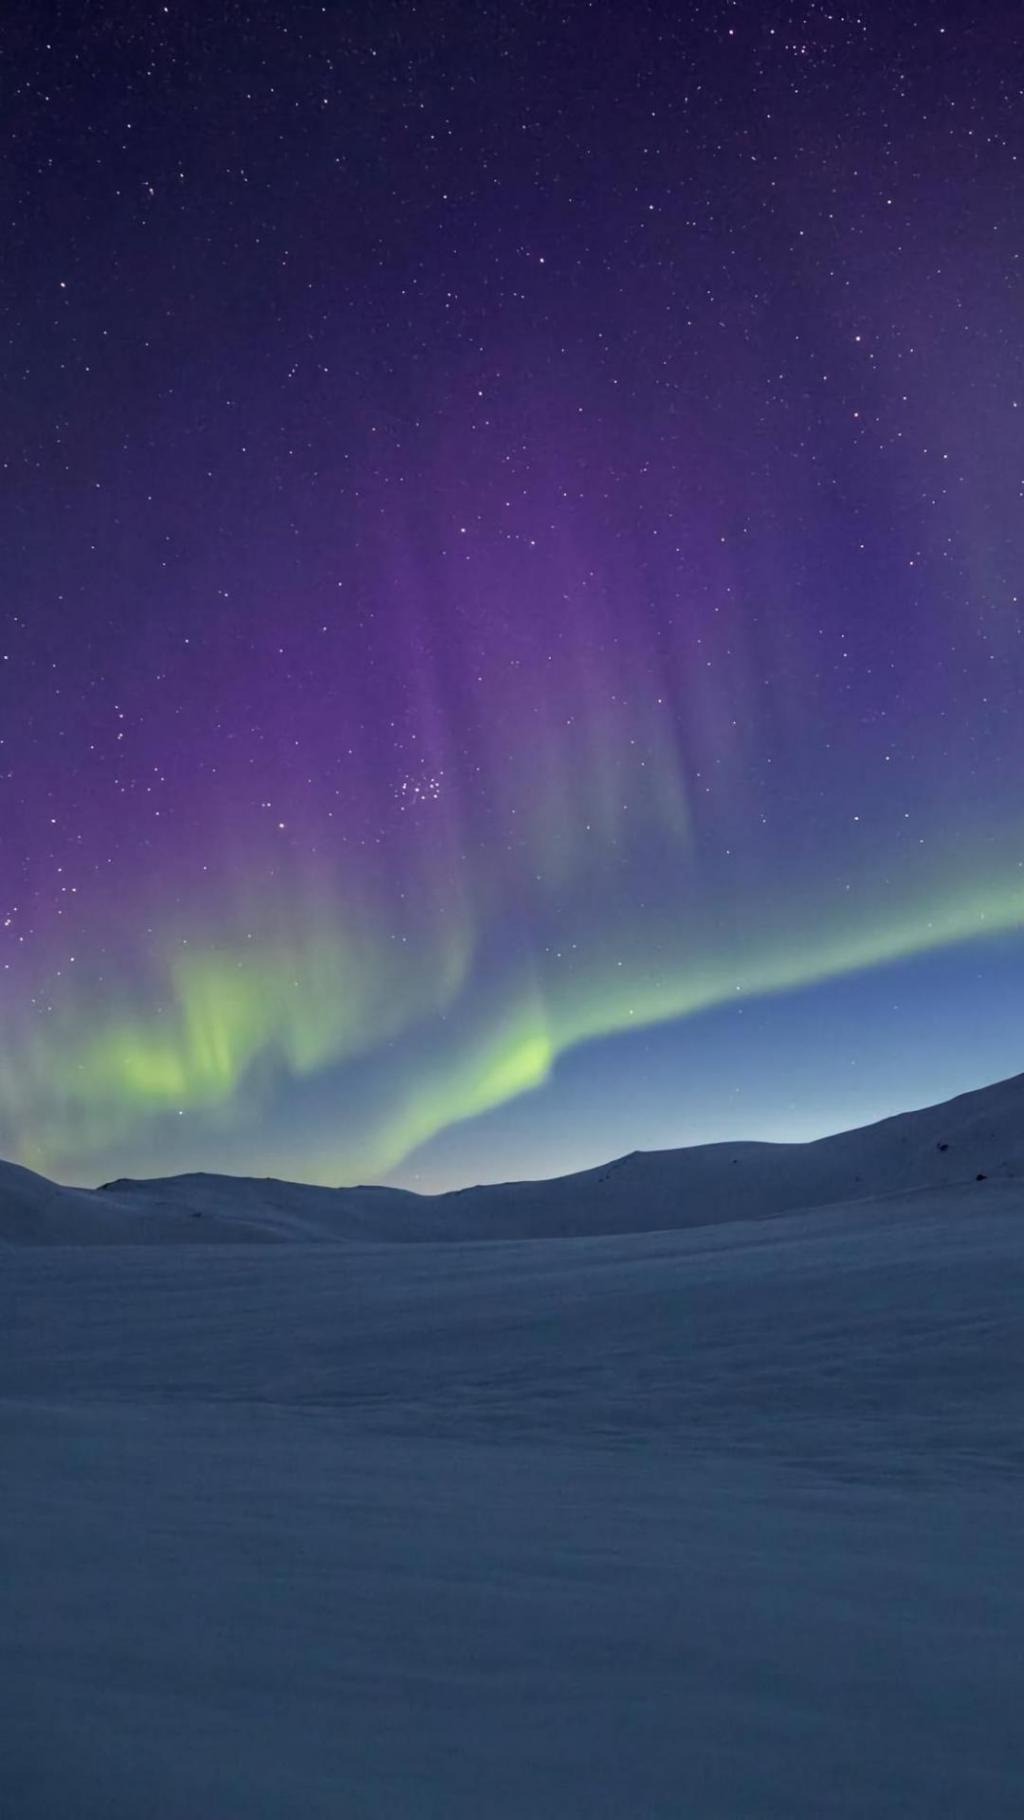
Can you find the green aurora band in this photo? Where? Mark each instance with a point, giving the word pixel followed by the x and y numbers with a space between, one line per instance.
pixel 226 1023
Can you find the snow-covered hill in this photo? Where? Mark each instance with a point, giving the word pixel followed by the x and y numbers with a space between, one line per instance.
pixel 696 1490
pixel 978 1135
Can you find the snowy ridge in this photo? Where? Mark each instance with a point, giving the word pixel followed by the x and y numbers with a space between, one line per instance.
pixel 978 1135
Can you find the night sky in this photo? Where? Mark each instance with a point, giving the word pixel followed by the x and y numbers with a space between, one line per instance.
pixel 511 616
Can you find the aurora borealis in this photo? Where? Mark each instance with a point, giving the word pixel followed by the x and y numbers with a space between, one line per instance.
pixel 511 581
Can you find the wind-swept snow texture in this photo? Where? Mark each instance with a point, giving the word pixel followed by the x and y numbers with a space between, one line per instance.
pixel 714 1523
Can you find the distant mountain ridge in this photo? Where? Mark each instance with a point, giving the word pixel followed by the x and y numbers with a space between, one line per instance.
pixel 976 1136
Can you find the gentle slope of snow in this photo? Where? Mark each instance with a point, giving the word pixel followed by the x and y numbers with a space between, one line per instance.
pixel 719 1521
pixel 981 1132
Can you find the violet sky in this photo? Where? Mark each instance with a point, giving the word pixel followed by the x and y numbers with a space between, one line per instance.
pixel 511 630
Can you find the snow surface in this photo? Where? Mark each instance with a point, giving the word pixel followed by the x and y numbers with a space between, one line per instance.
pixel 720 1521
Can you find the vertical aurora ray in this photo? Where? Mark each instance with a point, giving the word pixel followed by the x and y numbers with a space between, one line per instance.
pixel 486 617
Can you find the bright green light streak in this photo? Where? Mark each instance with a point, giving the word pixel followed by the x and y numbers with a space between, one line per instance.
pixel 233 1020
